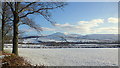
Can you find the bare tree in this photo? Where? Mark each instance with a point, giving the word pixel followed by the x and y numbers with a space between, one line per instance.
pixel 21 10
pixel 6 17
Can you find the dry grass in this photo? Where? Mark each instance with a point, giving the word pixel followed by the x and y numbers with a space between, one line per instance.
pixel 12 61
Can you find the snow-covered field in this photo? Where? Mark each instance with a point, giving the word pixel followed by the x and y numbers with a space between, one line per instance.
pixel 71 56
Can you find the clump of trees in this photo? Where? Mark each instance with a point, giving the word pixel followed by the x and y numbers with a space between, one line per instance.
pixel 16 13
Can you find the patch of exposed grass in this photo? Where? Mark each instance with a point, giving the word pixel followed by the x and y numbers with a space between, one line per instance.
pixel 17 61
pixel 6 51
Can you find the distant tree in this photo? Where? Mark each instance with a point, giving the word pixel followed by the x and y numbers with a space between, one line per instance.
pixel 21 10
pixel 6 18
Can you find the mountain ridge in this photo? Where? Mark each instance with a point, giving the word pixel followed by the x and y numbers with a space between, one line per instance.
pixel 58 37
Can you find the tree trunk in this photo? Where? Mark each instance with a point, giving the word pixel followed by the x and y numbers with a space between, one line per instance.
pixel 3 25
pixel 15 30
pixel 15 35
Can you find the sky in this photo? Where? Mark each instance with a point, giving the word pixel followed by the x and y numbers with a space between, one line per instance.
pixel 79 18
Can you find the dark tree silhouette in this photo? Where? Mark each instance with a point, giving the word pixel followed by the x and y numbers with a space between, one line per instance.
pixel 21 10
pixel 6 17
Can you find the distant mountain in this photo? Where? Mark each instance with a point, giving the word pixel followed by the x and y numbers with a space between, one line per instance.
pixel 59 37
pixel 74 35
pixel 102 36
pixel 58 34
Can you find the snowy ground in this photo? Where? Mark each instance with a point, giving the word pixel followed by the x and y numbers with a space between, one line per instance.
pixel 71 56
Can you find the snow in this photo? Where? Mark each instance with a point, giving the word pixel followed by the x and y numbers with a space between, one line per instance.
pixel 32 40
pixel 60 37
pixel 71 56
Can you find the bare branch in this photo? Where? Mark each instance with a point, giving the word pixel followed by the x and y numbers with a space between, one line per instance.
pixel 10 6
pixel 39 10
pixel 8 30
pixel 31 24
pixel 26 7
pixel 47 18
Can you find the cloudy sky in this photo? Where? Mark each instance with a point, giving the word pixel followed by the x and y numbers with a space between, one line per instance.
pixel 80 18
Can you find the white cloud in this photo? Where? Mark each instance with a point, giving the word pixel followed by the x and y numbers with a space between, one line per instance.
pixel 110 30
pixel 66 33
pixel 113 20
pixel 80 27
pixel 84 27
pixel 47 29
pixel 91 23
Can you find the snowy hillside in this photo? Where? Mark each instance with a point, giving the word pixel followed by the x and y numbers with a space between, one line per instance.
pixel 102 36
pixel 61 37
